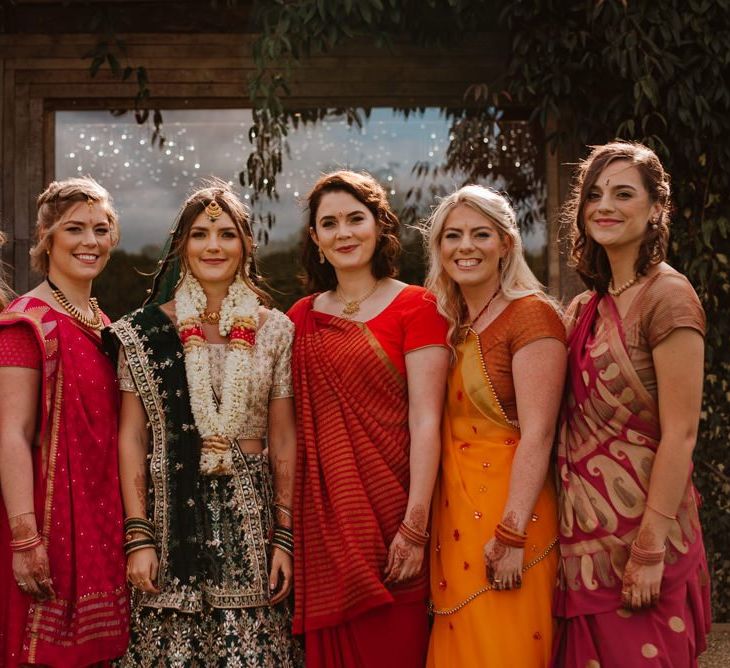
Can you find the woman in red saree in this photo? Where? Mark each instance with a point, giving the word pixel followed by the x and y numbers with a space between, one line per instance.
pixel 634 586
pixel 369 364
pixel 65 599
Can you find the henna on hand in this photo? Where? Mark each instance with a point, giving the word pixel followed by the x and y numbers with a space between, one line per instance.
pixel 418 518
pixel 282 479
pixel 23 526
pixel 647 538
pixel 497 552
pixel 510 520
pixel 140 485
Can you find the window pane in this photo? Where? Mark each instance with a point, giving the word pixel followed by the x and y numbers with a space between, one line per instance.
pixel 149 183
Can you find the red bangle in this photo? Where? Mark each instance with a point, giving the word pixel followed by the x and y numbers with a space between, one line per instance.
pixel 509 536
pixel 25 544
pixel 413 536
pixel 647 557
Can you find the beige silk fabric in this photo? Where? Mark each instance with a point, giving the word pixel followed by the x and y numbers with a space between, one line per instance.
pixel 270 371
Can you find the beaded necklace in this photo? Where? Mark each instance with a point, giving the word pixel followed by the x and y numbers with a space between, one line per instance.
pixel 74 311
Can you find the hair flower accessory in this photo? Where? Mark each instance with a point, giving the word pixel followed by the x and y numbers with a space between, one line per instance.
pixel 218 422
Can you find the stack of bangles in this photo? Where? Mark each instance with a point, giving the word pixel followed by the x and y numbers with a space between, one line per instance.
pixel 413 535
pixel 283 538
pixel 25 544
pixel 647 557
pixel 510 537
pixel 138 525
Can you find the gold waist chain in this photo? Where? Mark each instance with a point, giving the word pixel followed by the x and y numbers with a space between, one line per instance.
pixel 450 611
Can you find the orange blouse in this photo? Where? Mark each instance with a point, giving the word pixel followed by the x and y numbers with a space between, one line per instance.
pixel 523 321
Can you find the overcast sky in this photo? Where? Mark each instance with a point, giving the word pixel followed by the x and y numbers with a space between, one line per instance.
pixel 148 184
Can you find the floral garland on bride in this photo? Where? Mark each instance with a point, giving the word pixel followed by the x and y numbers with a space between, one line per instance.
pixel 217 425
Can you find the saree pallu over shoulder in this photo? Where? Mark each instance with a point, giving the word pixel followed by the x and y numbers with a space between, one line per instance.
pixel 78 507
pixel 478 448
pixel 607 441
pixel 156 361
pixel 352 470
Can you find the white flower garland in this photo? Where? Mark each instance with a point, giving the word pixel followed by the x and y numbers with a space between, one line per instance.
pixel 239 319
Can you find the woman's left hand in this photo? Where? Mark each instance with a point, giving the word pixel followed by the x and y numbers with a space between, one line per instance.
pixel 504 565
pixel 281 575
pixel 641 585
pixel 405 560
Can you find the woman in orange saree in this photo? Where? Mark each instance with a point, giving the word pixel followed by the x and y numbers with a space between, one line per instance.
pixel 634 587
pixel 369 363
pixel 494 515
pixel 64 597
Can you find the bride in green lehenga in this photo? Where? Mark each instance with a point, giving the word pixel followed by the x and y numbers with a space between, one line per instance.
pixel 207 451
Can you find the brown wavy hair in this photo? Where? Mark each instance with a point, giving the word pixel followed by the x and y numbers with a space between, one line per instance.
pixel 58 198
pixel 588 257
pixel 366 190
pixel 219 191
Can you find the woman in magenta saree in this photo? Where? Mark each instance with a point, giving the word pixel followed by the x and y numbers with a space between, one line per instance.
pixel 65 600
pixel 634 586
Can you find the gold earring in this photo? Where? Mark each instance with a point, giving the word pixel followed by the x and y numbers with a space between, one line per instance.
pixel 321 256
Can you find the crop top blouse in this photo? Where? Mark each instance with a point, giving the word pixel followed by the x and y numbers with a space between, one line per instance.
pixel 271 366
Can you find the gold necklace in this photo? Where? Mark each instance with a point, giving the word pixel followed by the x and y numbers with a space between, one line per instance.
pixel 615 292
pixel 211 317
pixel 352 306
pixel 74 311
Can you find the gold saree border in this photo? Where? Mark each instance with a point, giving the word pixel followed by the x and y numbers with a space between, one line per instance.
pixel 474 372
pixel 382 355
pixel 52 452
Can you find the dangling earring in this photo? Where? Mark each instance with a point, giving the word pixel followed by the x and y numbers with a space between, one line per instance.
pixel 654 224
pixel 321 255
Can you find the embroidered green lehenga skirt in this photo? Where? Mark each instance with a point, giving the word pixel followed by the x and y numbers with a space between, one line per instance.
pixel 257 636
pixel 212 532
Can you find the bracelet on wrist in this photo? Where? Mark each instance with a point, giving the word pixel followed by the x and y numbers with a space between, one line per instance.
pixel 412 535
pixel 283 538
pixel 661 512
pixel 647 557
pixel 138 544
pixel 510 537
pixel 26 544
pixel 284 510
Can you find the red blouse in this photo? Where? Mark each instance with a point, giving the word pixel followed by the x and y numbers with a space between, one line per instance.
pixel 18 347
pixel 411 321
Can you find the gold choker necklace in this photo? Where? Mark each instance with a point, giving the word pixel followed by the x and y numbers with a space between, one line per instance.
pixel 352 306
pixel 615 292
pixel 74 311
pixel 211 317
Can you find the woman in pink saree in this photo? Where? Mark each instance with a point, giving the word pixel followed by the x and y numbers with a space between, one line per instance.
pixel 634 586
pixel 64 598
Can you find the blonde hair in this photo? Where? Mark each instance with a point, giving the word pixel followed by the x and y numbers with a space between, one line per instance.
pixel 54 201
pixel 5 292
pixel 516 277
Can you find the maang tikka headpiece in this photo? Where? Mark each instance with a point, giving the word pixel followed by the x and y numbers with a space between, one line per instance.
pixel 213 210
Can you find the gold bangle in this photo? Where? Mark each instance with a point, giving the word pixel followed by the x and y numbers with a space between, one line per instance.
pixel 660 512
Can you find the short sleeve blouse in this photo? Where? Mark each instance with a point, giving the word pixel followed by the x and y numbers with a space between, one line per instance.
pixel 411 321
pixel 18 347
pixel 667 302
pixel 523 321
